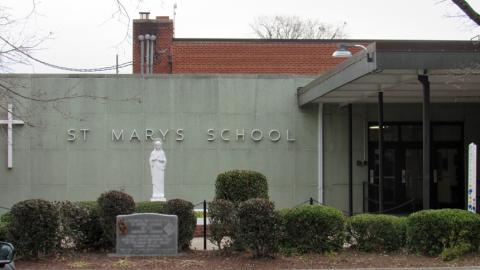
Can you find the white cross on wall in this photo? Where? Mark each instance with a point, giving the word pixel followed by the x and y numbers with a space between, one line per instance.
pixel 10 122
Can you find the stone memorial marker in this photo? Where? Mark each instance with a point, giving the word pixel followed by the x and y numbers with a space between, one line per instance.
pixel 147 235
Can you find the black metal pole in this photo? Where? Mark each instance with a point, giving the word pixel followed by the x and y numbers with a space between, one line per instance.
pixel 380 152
pixel 311 201
pixel 205 224
pixel 350 162
pixel 426 140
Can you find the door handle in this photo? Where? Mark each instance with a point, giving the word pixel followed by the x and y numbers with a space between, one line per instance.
pixel 372 177
pixel 404 176
pixel 435 176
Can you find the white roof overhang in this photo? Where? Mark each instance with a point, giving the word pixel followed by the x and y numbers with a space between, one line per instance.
pixel 453 68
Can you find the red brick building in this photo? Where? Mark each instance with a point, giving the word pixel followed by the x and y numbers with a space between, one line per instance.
pixel 257 56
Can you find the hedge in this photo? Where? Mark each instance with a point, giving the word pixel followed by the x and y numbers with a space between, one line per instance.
pixel 240 185
pixel 94 238
pixel 186 220
pixel 4 222
pixel 432 231
pixel 34 227
pixel 369 232
pixel 150 207
pixel 73 219
pixel 111 204
pixel 259 227
pixel 314 228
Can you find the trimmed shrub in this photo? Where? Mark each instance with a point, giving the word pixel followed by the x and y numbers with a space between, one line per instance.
pixel 4 222
pixel 223 219
pixel 258 227
pixel 432 231
pixel 111 204
pixel 368 232
pixel 452 253
pixel 150 207
pixel 94 238
pixel 186 220
pixel 238 186
pixel 33 227
pixel 313 228
pixel 73 218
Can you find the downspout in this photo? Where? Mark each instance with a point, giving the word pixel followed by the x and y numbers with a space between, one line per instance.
pixel 142 53
pixel 152 50
pixel 147 55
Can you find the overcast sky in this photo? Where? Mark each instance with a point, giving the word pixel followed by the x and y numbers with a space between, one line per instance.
pixel 89 33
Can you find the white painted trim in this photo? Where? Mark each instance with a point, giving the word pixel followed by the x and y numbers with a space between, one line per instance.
pixel 10 122
pixel 320 153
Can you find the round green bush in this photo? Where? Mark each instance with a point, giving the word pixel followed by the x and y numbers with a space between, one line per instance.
pixel 186 220
pixel 150 207
pixel 34 227
pixel 111 204
pixel 369 232
pixel 94 238
pixel 259 227
pixel 73 217
pixel 431 231
pixel 314 228
pixel 239 185
pixel 223 220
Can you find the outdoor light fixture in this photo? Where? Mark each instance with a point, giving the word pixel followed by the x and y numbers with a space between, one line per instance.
pixel 343 52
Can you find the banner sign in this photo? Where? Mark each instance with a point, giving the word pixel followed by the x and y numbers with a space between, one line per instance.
pixel 472 178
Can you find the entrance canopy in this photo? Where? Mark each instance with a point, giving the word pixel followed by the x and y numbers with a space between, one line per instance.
pixel 392 67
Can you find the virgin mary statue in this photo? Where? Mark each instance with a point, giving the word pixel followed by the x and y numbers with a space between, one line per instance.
pixel 158 161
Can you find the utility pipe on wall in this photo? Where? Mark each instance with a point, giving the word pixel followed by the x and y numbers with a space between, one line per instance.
pixel 152 50
pixel 147 54
pixel 142 55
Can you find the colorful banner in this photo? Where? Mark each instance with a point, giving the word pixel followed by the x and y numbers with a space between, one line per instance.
pixel 472 178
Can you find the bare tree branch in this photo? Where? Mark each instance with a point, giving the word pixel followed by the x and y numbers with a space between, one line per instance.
pixel 468 10
pixel 293 27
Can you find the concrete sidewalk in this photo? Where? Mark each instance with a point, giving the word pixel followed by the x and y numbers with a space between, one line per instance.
pixel 197 244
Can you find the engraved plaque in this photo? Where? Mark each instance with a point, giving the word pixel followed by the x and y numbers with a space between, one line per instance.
pixel 147 235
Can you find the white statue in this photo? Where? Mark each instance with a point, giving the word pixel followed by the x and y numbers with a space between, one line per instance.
pixel 158 161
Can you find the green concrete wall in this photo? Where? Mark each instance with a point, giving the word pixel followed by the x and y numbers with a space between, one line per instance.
pixel 336 141
pixel 47 165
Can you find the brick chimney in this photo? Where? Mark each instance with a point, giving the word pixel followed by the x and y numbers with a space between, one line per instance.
pixel 162 28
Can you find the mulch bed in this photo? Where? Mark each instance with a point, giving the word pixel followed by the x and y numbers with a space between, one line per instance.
pixel 217 260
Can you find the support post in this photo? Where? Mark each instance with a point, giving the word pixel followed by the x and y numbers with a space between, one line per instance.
pixel 205 224
pixel 380 152
pixel 320 153
pixel 350 162
pixel 426 140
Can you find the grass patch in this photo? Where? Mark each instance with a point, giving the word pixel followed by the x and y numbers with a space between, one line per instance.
pixel 123 263
pixel 199 214
pixel 79 264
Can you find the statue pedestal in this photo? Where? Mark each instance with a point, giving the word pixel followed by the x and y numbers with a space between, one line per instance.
pixel 158 199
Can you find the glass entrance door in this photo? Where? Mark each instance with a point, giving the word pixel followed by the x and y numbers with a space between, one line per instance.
pixel 403 167
pixel 412 177
pixel 390 191
pixel 448 187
